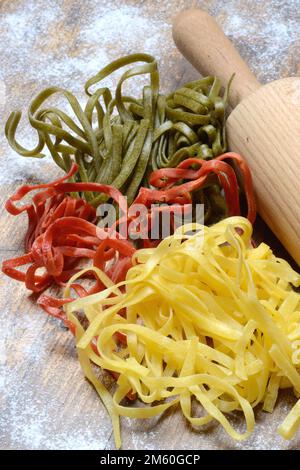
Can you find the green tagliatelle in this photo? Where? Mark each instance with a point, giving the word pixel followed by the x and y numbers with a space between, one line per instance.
pixel 119 139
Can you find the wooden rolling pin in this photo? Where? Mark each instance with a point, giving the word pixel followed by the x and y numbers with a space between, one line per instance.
pixel 264 125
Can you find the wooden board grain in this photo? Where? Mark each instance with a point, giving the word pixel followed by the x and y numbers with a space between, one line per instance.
pixel 45 403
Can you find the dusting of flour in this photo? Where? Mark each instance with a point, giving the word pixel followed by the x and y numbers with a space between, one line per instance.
pixel 63 43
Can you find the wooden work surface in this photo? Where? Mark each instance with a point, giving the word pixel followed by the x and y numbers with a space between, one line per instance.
pixel 45 401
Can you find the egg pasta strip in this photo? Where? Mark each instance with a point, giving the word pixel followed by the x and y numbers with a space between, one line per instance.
pixel 208 318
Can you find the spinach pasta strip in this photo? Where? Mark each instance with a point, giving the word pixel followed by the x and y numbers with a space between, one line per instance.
pixel 119 139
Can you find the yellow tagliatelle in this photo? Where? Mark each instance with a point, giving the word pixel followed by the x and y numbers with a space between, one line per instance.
pixel 208 318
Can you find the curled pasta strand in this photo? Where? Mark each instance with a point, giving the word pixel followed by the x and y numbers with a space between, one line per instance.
pixel 198 325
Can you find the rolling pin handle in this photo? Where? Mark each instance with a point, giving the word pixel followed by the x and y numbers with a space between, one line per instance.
pixel 205 46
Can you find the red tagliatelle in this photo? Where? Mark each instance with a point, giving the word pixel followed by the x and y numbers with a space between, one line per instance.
pixel 166 178
pixel 62 229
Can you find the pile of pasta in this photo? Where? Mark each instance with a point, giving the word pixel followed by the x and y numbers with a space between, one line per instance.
pixel 118 139
pixel 204 316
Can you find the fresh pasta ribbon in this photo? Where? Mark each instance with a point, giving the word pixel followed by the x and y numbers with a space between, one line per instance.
pixel 291 423
pixel 208 318
pixel 119 140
